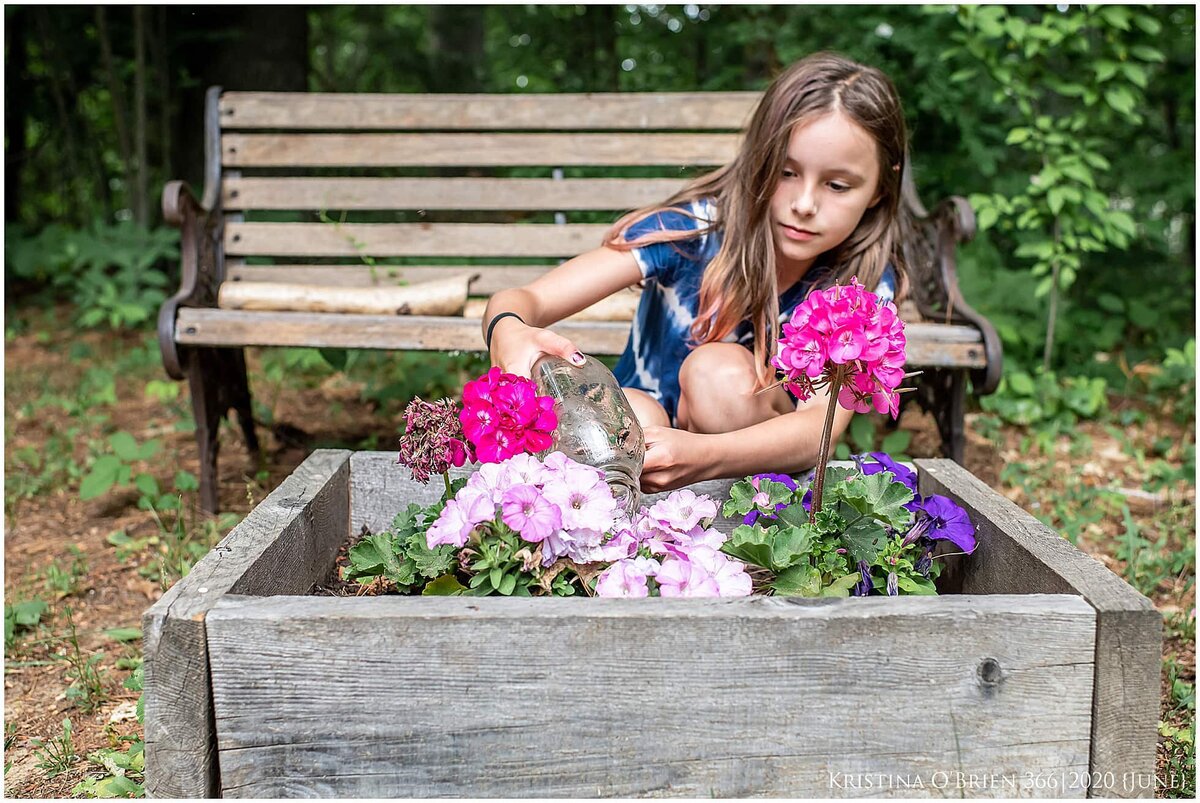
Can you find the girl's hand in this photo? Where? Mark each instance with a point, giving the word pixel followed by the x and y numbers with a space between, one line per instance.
pixel 517 346
pixel 675 458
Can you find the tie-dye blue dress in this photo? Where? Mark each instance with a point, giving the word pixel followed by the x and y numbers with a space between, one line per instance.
pixel 658 341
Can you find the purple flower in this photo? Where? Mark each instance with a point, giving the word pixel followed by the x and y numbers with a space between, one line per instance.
pixel 530 513
pixel 946 521
pixel 892 585
pixel 924 563
pixel 753 515
pixel 864 585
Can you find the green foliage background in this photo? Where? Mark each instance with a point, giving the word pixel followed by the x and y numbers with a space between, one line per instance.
pixel 1099 100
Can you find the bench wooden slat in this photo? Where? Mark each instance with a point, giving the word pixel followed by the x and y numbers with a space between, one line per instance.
pixel 929 345
pixel 412 239
pixel 602 194
pixel 704 111
pixel 492 278
pixel 476 150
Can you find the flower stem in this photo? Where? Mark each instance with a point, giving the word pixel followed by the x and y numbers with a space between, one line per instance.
pixel 446 480
pixel 835 383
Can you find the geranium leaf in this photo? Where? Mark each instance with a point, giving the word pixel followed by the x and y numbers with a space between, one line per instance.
pixel 790 545
pixel 878 496
pixel 798 581
pixel 741 497
pixel 445 586
pixel 750 545
pixel 863 539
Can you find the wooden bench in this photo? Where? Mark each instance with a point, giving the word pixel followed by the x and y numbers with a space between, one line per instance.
pixel 377 190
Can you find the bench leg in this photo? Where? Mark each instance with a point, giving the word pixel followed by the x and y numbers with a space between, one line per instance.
pixel 217 380
pixel 950 398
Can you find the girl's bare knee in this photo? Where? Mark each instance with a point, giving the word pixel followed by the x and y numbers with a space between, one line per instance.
pixel 716 383
pixel 648 411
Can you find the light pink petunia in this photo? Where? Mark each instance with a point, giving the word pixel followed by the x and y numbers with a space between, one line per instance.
pixel 623 579
pixel 679 577
pixel 682 510
pixel 529 513
pixel 453 526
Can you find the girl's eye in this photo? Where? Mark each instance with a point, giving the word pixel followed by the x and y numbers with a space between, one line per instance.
pixel 837 186
pixel 788 173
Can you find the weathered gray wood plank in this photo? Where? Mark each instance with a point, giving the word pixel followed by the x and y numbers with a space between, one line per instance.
pixel 501 194
pixel 1018 554
pixel 711 111
pixel 477 150
pixel 929 345
pixel 284 546
pixel 433 697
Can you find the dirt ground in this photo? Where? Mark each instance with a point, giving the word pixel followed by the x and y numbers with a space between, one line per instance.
pixel 40 531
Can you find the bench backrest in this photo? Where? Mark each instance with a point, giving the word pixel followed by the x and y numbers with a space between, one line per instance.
pixel 358 189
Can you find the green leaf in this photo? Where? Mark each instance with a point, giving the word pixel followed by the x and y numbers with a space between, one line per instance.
pixel 1147 23
pixel 507 584
pixel 1116 16
pixel 1120 99
pixel 146 485
pixel 878 496
pixel 1017 136
pixel 149 449
pixel 445 586
pixel 1055 199
pixel 916 585
pixel 124 446
pixel 864 538
pixel 1106 70
pixel 186 481
pixel 790 546
pixel 124 633
pixel 741 497
pixel 335 357
pixel 27 614
pixel 798 581
pixel 377 556
pixel 987 217
pixel 897 442
pixel 104 474
pixel 429 562
pixel 495 577
pixel 750 544
pixel 1135 73
pixel 1147 53
pixel 841 587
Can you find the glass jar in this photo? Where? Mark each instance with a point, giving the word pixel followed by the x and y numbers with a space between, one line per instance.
pixel 596 424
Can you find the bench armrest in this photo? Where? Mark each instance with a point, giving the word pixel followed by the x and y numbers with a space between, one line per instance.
pixel 199 272
pixel 931 243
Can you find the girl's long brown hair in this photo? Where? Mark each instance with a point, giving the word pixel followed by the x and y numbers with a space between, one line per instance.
pixel 740 282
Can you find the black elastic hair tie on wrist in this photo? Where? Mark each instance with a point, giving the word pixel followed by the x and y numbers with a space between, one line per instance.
pixel 487 340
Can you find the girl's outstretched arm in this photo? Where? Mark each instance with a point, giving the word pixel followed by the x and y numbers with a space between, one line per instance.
pixel 787 443
pixel 572 286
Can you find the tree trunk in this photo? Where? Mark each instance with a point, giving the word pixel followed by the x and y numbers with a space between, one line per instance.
pixel 238 48
pixel 116 93
pixel 162 72
pixel 141 190
pixel 456 55
pixel 16 111
pixel 73 195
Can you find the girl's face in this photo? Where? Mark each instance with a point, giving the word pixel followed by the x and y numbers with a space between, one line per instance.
pixel 830 178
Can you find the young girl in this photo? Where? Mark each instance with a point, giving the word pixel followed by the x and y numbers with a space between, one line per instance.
pixel 812 199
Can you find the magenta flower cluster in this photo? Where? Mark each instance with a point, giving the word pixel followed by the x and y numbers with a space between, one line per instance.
pixel 433 438
pixel 564 506
pixel 503 416
pixel 672 543
pixel 849 330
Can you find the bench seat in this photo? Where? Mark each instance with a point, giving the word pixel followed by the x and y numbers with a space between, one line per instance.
pixel 929 345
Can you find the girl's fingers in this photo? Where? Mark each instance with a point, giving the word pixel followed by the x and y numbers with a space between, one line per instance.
pixel 560 346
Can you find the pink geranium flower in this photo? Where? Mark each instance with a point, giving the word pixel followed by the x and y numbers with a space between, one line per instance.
pixel 503 416
pixel 528 512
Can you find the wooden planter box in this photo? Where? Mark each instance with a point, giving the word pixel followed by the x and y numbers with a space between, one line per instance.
pixel 1041 679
